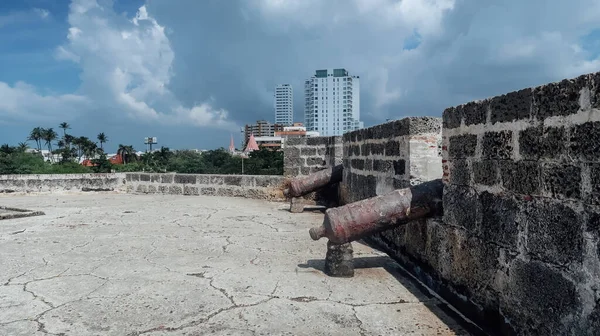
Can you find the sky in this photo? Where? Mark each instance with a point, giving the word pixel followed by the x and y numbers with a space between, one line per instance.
pixel 192 73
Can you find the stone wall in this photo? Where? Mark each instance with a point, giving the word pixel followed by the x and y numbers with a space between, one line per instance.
pixel 522 207
pixel 249 186
pixel 61 183
pixel 389 156
pixel 303 156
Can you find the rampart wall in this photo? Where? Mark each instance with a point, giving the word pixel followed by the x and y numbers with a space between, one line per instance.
pixel 249 186
pixel 518 247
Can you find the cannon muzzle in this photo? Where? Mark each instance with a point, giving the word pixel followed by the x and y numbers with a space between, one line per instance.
pixel 359 219
pixel 306 184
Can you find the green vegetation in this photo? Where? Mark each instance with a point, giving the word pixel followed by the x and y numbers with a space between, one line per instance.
pixel 71 149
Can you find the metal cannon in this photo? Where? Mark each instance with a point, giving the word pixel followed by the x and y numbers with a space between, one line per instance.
pixel 306 184
pixel 359 219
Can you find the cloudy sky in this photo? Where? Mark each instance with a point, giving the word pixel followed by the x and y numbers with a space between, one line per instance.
pixel 191 72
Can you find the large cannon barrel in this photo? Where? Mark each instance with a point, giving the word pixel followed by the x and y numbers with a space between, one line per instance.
pixel 303 185
pixel 359 219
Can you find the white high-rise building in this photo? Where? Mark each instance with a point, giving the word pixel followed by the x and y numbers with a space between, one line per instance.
pixel 332 102
pixel 284 105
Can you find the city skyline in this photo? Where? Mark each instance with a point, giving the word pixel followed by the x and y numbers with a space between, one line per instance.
pixel 191 72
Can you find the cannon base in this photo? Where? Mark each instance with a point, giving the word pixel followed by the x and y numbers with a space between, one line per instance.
pixel 339 260
pixel 297 204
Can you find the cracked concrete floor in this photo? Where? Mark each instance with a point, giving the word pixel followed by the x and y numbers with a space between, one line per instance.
pixel 114 264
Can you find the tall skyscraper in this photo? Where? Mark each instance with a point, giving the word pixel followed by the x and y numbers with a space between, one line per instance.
pixel 332 102
pixel 284 104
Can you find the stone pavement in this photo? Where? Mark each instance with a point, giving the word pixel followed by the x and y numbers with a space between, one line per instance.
pixel 114 264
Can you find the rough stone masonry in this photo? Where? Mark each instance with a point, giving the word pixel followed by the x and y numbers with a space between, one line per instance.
pixel 522 197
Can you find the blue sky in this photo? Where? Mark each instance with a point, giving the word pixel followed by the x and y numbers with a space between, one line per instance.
pixel 192 72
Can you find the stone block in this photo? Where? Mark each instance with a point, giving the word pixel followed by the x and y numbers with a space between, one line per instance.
pixel 294 142
pixel 218 180
pixel 452 117
pixel 166 178
pixel 155 178
pixel 315 161
pixel 401 183
pixel 184 179
pixel 377 149
pixel 144 177
pixel 322 151
pixel 268 181
pixel 308 151
pixel 141 188
pixel 475 113
pixel 558 99
pixel 163 189
pixel 368 164
pixel 462 146
pixel 224 192
pixel 305 171
pixel 289 151
pixel 294 162
pixel 497 145
pixel 485 172
pixel 175 190
pixel 399 167
pixel 152 189
pixel 585 141
pixel 555 232
pixel 130 177
pixel 418 125
pixel 316 141
pixel 357 164
pixel 460 173
pixel 209 191
pixel 511 106
pixel 521 177
pixel 499 222
pixel 462 208
pixel 190 190
pixel 383 166
pixel 542 142
pixel 233 180
pixel 539 298
pixel 392 148
pixel 339 261
pixel 562 181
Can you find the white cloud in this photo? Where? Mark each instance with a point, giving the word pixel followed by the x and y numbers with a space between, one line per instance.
pixel 125 69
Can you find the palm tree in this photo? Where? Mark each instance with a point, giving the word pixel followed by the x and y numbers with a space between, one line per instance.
pixel 6 149
pixel 126 152
pixel 48 135
pixel 22 147
pixel 103 139
pixel 36 135
pixel 65 126
pixel 80 143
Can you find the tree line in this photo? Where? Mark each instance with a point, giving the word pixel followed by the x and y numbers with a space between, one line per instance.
pixel 68 151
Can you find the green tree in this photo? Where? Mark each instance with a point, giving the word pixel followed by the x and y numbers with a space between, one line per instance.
pixel 49 135
pixel 36 135
pixel 64 126
pixel 102 138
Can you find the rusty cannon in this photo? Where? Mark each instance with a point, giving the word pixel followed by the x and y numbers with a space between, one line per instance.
pixel 345 224
pixel 355 220
pixel 304 185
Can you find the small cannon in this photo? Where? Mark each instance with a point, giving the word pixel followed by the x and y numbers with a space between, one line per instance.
pixel 356 220
pixel 353 221
pixel 304 185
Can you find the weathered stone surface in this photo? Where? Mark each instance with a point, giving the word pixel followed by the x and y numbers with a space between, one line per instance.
pixel 511 107
pixel 521 177
pixel 585 141
pixel 485 172
pixel 184 179
pixel 555 232
pixel 558 99
pixel 562 181
pixel 539 298
pixel 462 146
pixel 193 266
pixel 497 145
pixel 539 142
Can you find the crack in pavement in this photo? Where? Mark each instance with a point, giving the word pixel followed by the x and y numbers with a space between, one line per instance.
pixel 362 329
